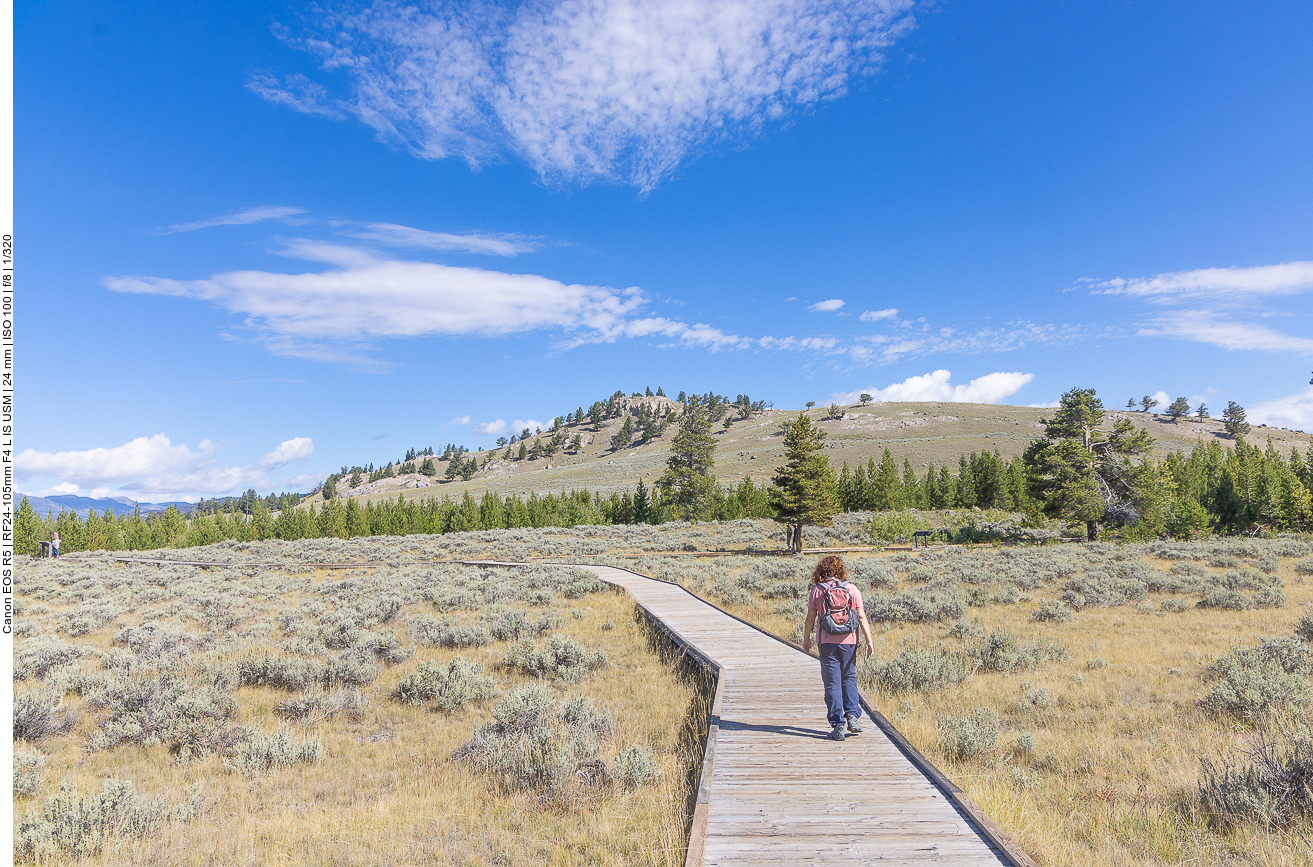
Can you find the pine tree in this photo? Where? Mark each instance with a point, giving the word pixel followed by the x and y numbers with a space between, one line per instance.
pixel 1080 472
pixel 641 505
pixel 1233 419
pixel 803 492
pixel 624 436
pixel 1202 412
pixel 688 481
pixel 27 529
pixel 1179 407
pixel 524 451
pixel 886 487
pixel 1147 403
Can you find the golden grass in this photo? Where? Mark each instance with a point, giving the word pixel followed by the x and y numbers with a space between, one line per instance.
pixel 1118 752
pixel 386 790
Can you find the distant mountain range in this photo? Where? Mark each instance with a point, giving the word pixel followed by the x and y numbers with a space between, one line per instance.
pixel 83 505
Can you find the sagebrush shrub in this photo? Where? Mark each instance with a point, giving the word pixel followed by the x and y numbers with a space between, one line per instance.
pixel 1304 629
pixel 923 605
pixel 1220 597
pixel 448 633
pixel 537 743
pixel 1001 651
pixel 184 717
pixel 1051 611
pixel 559 657
pixel 39 714
pixel 29 772
pixel 915 671
pixel 449 688
pixel 1253 681
pixel 262 754
pixel 634 766
pixel 1274 787
pixel 38 657
pixel 970 736
pixel 77 828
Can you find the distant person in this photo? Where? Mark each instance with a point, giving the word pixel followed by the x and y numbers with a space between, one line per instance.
pixel 835 609
pixel 54 545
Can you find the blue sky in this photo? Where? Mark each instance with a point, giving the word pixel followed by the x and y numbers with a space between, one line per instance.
pixel 260 241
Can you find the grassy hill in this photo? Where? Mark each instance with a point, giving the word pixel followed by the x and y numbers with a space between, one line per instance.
pixel 926 433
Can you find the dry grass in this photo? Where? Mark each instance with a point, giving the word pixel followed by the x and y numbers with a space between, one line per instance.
pixel 385 790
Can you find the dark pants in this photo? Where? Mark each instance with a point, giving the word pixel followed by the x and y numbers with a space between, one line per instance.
pixel 839 674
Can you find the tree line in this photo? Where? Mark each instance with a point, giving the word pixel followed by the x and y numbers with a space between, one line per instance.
pixel 1080 470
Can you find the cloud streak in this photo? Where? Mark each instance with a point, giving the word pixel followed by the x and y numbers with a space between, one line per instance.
pixel 1289 278
pixel 588 90
pixel 1203 326
pixel 394 235
pixel 241 218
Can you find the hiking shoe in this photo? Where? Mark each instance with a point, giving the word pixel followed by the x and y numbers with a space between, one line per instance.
pixel 854 727
pixel 837 734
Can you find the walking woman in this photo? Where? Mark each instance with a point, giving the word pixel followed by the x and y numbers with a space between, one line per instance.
pixel 835 610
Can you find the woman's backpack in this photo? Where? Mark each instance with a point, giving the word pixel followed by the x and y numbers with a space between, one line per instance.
pixel 840 615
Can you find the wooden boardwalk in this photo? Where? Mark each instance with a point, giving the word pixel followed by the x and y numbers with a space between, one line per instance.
pixel 776 790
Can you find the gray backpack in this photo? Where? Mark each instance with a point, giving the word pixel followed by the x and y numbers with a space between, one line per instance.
pixel 840 614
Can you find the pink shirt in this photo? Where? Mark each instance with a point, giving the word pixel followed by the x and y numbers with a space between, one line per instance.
pixel 816 602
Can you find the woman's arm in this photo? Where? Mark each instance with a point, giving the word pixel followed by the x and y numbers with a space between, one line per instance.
pixel 866 631
pixel 809 630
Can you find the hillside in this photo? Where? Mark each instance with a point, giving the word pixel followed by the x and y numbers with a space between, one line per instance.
pixel 925 433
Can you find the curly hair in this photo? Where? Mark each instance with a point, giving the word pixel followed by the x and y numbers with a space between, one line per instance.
pixel 829 568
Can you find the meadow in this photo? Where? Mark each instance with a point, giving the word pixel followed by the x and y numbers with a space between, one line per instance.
pixel 1105 703
pixel 415 712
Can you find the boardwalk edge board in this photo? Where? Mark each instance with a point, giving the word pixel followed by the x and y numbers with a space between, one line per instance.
pixel 985 826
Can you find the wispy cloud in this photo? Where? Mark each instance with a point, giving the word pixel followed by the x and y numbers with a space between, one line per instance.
pixel 938 386
pixel 1203 326
pixel 828 306
pixel 458 421
pixel 916 339
pixel 241 218
pixel 1219 283
pixel 613 90
pixel 394 235
pixel 877 315
pixel 490 428
pixel 154 465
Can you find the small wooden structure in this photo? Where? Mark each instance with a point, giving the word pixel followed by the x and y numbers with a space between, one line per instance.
pixel 921 538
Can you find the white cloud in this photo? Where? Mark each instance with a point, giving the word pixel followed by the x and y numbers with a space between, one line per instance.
pixel 827 306
pixel 521 423
pixel 1048 404
pixel 394 235
pixel 288 451
pixel 153 465
pixel 876 315
pixel 142 456
pixel 491 428
pixel 362 297
pixel 1292 411
pixel 1164 400
pixel 1222 283
pixel 588 90
pixel 460 421
pixel 62 489
pixel 936 386
pixel 241 218
pixel 1204 327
